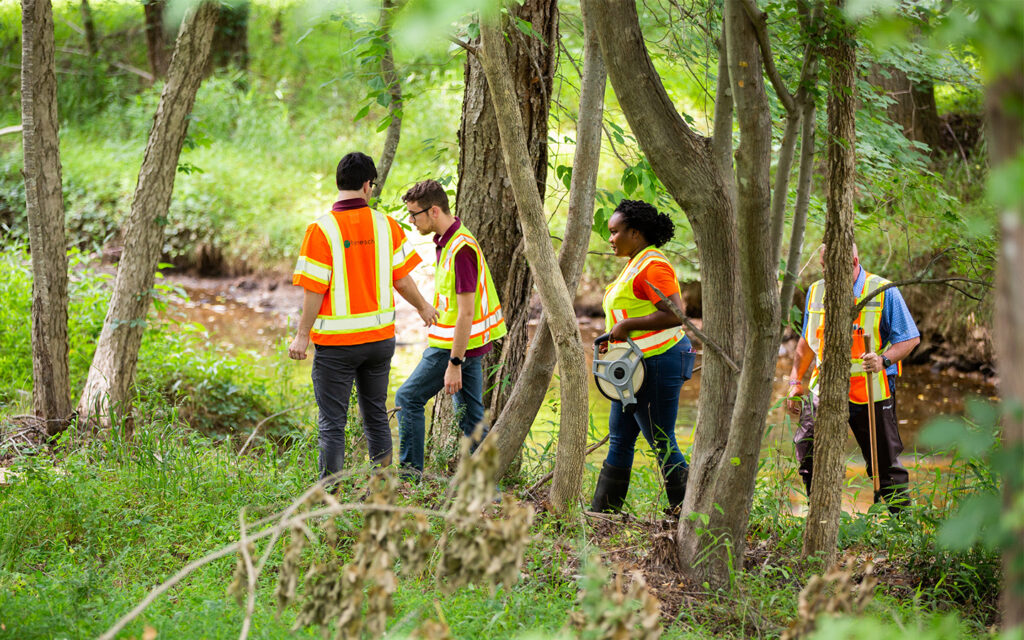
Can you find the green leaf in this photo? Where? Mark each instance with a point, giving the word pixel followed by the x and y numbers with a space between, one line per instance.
pixel 734 461
pixel 977 513
pixel 362 113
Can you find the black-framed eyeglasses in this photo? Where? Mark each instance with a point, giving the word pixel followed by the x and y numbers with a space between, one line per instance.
pixel 413 214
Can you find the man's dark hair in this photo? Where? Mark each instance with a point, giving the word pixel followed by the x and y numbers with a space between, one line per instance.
pixel 427 194
pixel 656 228
pixel 354 170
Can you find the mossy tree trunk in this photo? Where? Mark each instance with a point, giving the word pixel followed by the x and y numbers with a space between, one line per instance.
pixel 832 420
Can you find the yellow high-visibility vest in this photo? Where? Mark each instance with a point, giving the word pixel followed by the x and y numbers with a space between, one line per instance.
pixel 620 303
pixel 488 320
pixel 868 324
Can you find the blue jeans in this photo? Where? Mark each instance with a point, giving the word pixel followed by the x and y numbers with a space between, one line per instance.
pixel 425 383
pixel 657 405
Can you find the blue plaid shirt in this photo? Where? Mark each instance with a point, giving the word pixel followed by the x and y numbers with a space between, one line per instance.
pixel 896 325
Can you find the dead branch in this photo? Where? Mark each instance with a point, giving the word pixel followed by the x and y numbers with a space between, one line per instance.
pixel 900 283
pixel 550 474
pixel 674 308
pixel 264 420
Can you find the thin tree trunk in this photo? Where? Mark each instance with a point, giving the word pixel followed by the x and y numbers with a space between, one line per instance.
pixel 780 192
pixel 524 401
pixel 387 70
pixel 1005 94
pixel 572 433
pixel 803 201
pixel 484 200
pixel 92 42
pixel 913 107
pixel 737 469
pixel 107 387
pixel 44 205
pixel 832 420
pixel 156 43
pixel 692 169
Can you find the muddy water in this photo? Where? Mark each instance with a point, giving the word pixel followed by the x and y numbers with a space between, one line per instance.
pixel 243 318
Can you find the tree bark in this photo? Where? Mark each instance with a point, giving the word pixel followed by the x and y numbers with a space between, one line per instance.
pixel 1005 94
pixel 513 425
pixel 484 200
pixel 387 70
pixel 692 168
pixel 44 205
pixel 572 433
pixel 832 420
pixel 156 42
pixel 107 387
pixel 92 42
pixel 737 469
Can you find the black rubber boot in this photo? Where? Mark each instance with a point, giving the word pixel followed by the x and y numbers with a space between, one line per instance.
pixel 612 486
pixel 675 488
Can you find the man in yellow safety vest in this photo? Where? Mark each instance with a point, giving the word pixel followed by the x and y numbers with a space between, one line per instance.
pixel 470 321
pixel 886 319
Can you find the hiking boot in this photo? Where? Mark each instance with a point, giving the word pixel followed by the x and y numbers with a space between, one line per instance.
pixel 612 485
pixel 675 488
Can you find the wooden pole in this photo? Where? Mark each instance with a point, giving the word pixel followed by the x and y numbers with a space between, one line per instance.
pixel 873 438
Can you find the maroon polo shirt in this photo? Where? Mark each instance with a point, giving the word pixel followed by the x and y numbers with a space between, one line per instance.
pixel 466 274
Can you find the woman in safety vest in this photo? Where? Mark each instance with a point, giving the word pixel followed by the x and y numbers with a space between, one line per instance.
pixel 634 309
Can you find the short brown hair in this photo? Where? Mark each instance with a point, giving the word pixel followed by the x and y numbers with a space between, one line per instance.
pixel 427 194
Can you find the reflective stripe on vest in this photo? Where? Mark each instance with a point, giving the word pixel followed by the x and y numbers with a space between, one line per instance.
pixel 620 303
pixel 868 324
pixel 343 320
pixel 488 319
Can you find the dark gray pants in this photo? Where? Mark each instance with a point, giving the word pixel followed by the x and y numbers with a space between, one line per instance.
pixel 334 370
pixel 893 477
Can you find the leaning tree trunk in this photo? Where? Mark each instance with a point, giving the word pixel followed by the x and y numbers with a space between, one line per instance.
pixel 513 425
pixel 1005 94
pixel 737 468
pixel 107 387
pixel 44 206
pixel 831 423
pixel 484 200
pixel 390 76
pixel 156 44
pixel 554 294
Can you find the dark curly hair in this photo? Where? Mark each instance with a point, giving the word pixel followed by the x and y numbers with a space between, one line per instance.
pixel 656 228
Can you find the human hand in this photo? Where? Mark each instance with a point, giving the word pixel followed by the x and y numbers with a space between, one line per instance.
pixel 428 314
pixel 795 400
pixel 453 379
pixel 297 349
pixel 872 362
pixel 619 331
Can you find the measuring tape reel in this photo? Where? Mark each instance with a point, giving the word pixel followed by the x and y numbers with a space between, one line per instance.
pixel 619 371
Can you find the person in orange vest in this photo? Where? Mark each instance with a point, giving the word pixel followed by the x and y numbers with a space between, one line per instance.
pixel 470 321
pixel 350 262
pixel 886 319
pixel 633 309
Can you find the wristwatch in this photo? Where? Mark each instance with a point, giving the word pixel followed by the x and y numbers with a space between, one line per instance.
pixel 886 362
pixel 456 361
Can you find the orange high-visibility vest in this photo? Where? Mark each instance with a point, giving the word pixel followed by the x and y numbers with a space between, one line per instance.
pixel 868 323
pixel 359 304
pixel 620 303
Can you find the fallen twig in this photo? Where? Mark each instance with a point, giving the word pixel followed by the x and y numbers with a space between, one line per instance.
pixel 547 476
pixel 264 420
